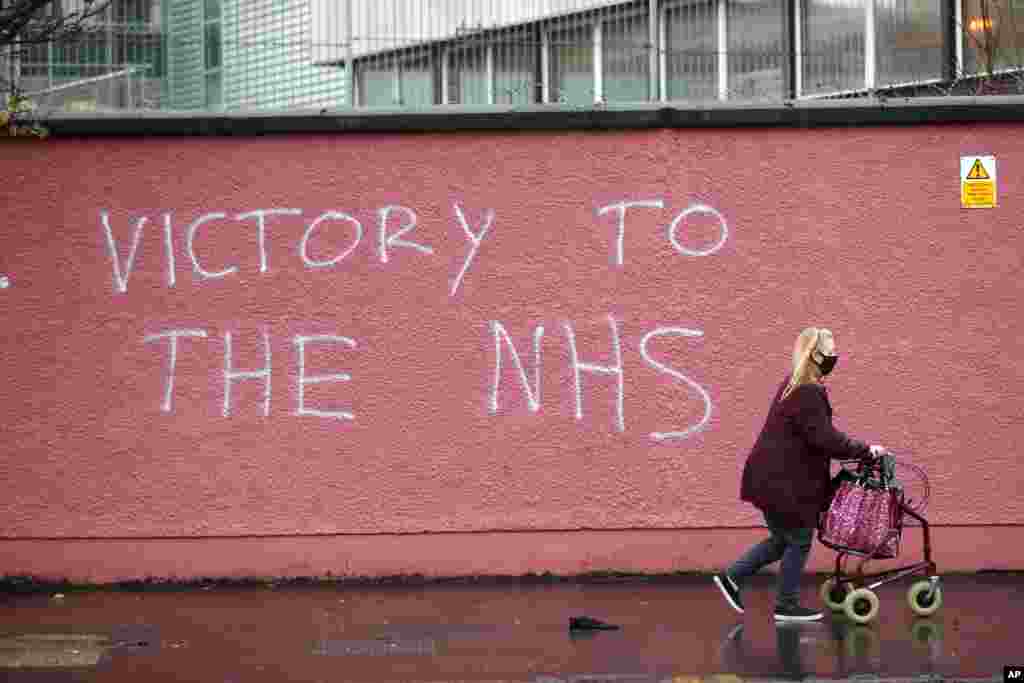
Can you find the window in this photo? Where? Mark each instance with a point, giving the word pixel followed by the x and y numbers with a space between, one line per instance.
pixel 626 59
pixel 993 31
pixel 84 58
pixel 572 66
pixel 500 69
pixel 376 84
pixel 757 55
pixel 515 71
pixel 212 46
pixel 468 76
pixel 141 48
pixel 416 82
pixel 908 36
pixel 399 81
pixel 212 54
pixel 133 11
pixel 833 41
pixel 691 52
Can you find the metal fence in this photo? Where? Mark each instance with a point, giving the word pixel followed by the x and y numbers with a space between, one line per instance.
pixel 414 54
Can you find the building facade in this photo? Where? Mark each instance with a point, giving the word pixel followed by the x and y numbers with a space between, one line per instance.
pixel 246 54
pixel 276 54
pixel 183 54
pixel 408 54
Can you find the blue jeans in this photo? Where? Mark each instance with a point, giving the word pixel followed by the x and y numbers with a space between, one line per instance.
pixel 792 546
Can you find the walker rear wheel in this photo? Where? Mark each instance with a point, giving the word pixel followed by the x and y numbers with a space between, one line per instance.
pixel 861 605
pixel 920 602
pixel 833 594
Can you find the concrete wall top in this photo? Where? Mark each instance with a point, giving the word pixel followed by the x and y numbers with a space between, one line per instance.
pixel 802 114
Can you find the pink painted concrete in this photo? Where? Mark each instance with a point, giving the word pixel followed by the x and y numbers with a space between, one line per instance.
pixel 859 229
pixel 957 549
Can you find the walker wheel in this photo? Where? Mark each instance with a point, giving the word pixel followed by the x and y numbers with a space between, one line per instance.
pixel 833 593
pixel 920 602
pixel 861 605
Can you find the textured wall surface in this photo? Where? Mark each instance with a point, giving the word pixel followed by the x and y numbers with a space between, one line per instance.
pixel 180 371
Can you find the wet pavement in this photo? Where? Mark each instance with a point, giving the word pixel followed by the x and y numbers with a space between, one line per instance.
pixel 672 629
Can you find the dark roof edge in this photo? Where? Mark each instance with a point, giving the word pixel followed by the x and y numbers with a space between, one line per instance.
pixel 802 114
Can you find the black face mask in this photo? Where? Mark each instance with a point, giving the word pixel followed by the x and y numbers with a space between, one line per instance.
pixel 826 364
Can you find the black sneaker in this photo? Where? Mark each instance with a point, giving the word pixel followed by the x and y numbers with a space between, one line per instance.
pixel 730 590
pixel 797 613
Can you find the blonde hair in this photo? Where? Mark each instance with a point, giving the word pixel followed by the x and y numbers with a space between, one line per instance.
pixel 810 340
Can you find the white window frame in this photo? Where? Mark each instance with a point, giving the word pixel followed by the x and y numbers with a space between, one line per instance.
pixel 545 65
pixel 490 73
pixel 663 53
pixel 960 38
pixel 798 48
pixel 446 54
pixel 722 20
pixel 654 81
pixel 870 31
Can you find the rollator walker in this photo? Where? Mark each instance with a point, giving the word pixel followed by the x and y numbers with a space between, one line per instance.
pixel 853 593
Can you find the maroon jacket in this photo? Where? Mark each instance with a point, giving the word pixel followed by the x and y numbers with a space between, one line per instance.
pixel 787 472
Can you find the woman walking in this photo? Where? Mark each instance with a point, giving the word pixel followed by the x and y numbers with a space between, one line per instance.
pixel 787 475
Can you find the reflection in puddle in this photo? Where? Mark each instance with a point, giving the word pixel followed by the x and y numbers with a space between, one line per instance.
pixel 74 650
pixel 52 650
pixel 854 649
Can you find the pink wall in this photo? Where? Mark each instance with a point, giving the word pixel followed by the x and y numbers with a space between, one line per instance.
pixel 857 229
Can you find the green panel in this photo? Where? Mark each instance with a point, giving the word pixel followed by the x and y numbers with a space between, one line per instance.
pixel 468 77
pixel 377 87
pixel 267 57
pixel 417 85
pixel 514 74
pixel 572 66
pixel 185 54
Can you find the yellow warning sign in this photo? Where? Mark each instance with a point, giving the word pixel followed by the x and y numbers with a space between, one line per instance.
pixel 977 172
pixel 978 182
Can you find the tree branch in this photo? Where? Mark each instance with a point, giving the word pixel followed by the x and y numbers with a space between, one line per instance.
pixel 30 22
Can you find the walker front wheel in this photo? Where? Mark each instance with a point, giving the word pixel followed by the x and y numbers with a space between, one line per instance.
pixel 833 593
pixel 861 605
pixel 920 602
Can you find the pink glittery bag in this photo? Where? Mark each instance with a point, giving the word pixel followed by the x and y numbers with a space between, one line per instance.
pixel 864 519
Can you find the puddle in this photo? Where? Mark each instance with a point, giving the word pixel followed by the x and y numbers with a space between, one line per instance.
pixel 679 632
pixel 52 650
